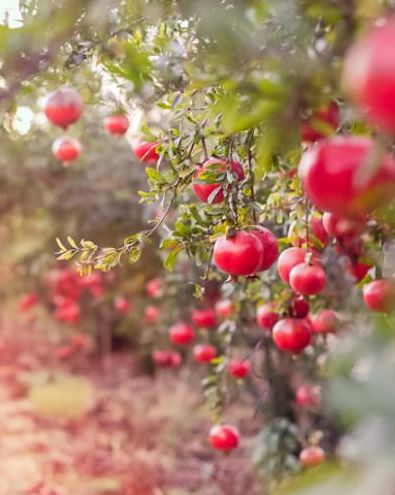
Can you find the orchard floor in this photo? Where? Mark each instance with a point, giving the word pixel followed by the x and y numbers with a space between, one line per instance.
pixel 114 433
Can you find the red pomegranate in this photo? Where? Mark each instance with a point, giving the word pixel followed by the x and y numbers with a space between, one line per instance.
pixel 359 269
pixel 318 230
pixel 288 259
pixel 299 308
pixel 312 456
pixel 269 246
pixel 379 295
pixel 116 124
pixel 369 75
pixel 327 117
pixel 224 437
pixel 343 227
pixel 66 149
pixel 308 396
pixel 146 152
pixel 122 305
pixel 292 335
pixel 219 166
pixel 331 173
pixel 63 107
pixel 326 321
pixel 204 318
pixel 151 314
pixel 307 279
pixel 224 308
pixel 266 316
pixel 166 359
pixel 154 288
pixel 204 353
pixel 238 254
pixel 181 334
pixel 28 301
pixel 238 368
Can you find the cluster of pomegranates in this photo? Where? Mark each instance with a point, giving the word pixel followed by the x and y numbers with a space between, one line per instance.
pixel 64 107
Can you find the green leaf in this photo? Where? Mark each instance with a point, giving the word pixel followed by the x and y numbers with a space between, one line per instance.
pixel 172 258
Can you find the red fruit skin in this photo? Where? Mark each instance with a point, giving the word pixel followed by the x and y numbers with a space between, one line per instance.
pixel 369 75
pixel 318 230
pixel 266 317
pixel 224 308
pixel 359 270
pixel 343 227
pixel 307 280
pixel 288 259
pixel 308 396
pixel 116 124
pixel 28 301
pixel 204 353
pixel 63 107
pixel 153 287
pixel 66 149
pixel 292 335
pixel 166 359
pixel 240 254
pixel 326 321
pixel 204 318
pixel 379 295
pixel 330 171
pixel 203 191
pixel 151 314
pixel 328 115
pixel 269 245
pixel 67 310
pixel 224 437
pixel 181 334
pixel 122 305
pixel 238 368
pixel 312 456
pixel 146 152
pixel 299 308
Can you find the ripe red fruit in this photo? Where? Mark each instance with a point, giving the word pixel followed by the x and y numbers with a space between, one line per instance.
pixel 369 75
pixel 269 245
pixel 326 321
pixel 166 359
pixel 299 308
pixel 28 301
pixel 66 149
pixel 239 254
pixel 204 190
pixel 307 279
pixel 181 334
pixel 204 318
pixel 122 305
pixel 224 437
pixel 204 353
pixel 328 116
pixel 116 124
pixel 151 314
pixel 146 152
pixel 308 396
pixel 312 456
pixel 379 295
pixel 64 351
pixel 359 269
pixel 224 308
pixel 318 230
pixel 331 174
pixel 238 368
pixel 292 335
pixel 343 227
pixel 266 317
pixel 67 310
pixel 63 107
pixel 288 259
pixel 153 287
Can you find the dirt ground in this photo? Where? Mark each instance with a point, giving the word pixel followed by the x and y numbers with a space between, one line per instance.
pixel 72 429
